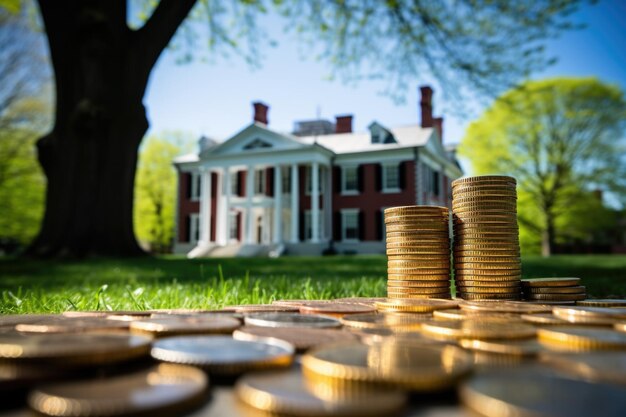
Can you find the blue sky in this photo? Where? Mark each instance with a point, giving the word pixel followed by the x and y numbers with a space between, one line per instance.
pixel 215 100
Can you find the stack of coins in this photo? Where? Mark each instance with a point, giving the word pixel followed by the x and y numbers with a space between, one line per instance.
pixel 553 290
pixel 486 253
pixel 418 252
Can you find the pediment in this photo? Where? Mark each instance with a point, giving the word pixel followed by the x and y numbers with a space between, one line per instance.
pixel 254 139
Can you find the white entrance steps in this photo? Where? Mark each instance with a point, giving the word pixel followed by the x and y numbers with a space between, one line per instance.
pixel 238 250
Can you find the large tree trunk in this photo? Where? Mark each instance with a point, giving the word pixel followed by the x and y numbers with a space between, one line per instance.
pixel 547 235
pixel 89 158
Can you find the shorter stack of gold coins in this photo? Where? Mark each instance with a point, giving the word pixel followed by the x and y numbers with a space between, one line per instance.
pixel 486 253
pixel 418 252
pixel 553 290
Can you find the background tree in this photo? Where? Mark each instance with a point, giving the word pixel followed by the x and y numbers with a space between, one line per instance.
pixel 25 113
pixel 562 139
pixel 102 67
pixel 155 191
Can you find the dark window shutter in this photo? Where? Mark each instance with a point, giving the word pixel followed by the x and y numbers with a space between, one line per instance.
pixel 402 175
pixel 213 185
pixel 239 228
pixel 187 186
pixel 269 182
pixel 379 177
pixel 379 225
pixel 301 226
pixel 361 225
pixel 241 186
pixel 337 179
pixel 337 226
pixel 361 180
pixel 187 228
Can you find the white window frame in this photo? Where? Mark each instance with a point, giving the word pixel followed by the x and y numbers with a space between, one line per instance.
pixel 194 228
pixel 345 213
pixel 385 187
pixel 232 225
pixel 344 170
pixel 260 183
pixel 196 184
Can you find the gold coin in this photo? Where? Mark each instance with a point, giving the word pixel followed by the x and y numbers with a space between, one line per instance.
pixel 443 276
pixel 484 204
pixel 471 315
pixel 427 367
pixel 419 245
pixel 368 301
pixel 301 338
pixel 434 269
pixel 427 264
pixel 72 349
pixel 418 235
pixel 474 328
pixel 441 219
pixel 522 347
pixel 513 265
pixel 478 251
pixel 590 315
pixel 550 282
pixel 418 290
pixel 583 337
pixel 461 188
pixel 593 366
pixel 507 394
pixel 488 274
pixel 298 303
pixel 265 308
pixel 81 324
pixel 289 393
pixel 400 210
pixel 411 228
pixel 486 217
pixel 416 306
pixel 426 258
pixel 507 259
pixel 461 230
pixel 482 283
pixel 418 283
pixel 184 325
pixel 408 321
pixel 493 306
pixel 479 197
pixel 488 290
pixel 580 289
pixel 223 355
pixel 337 309
pixel 602 303
pixel 138 393
pixel 404 296
pixel 484 178
pixel 544 319
pixel 417 251
pixel 488 296
pixel 555 297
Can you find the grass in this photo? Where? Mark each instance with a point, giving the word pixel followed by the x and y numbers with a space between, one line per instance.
pixel 176 282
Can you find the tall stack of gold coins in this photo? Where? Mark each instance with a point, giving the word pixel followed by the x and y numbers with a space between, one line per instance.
pixel 418 252
pixel 486 252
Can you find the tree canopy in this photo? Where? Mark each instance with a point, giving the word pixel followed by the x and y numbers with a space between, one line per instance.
pixel 563 139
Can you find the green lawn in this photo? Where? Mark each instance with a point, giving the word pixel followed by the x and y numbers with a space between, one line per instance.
pixel 176 282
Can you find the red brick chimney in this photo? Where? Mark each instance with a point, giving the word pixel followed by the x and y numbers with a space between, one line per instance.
pixel 260 112
pixel 426 106
pixel 438 125
pixel 343 124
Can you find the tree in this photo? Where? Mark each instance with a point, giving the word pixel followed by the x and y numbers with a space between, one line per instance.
pixel 562 139
pixel 155 194
pixel 102 67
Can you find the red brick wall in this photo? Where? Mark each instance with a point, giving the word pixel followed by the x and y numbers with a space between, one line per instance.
pixel 371 200
pixel 186 206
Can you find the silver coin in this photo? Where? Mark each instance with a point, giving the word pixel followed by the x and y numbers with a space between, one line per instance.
pixel 291 320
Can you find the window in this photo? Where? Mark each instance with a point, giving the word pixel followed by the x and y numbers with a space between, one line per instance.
pixel 391 177
pixel 435 183
pixel 308 225
pixel 259 182
pixel 194 227
pixel 286 179
pixel 350 179
pixel 234 183
pixel 350 225
pixel 196 186
pixel 233 226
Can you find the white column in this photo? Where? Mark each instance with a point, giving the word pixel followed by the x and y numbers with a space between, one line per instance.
pixel 295 210
pixel 224 210
pixel 278 205
pixel 205 207
pixel 328 204
pixel 249 230
pixel 315 202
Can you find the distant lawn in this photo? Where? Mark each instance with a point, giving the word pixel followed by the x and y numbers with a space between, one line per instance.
pixel 176 282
